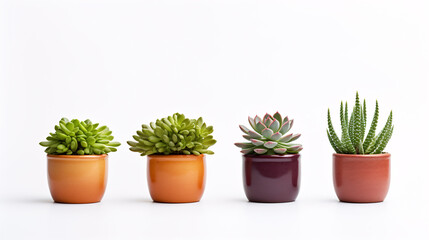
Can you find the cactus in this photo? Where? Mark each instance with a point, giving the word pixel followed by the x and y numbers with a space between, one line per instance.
pixel 268 136
pixel 79 138
pixel 353 139
pixel 174 135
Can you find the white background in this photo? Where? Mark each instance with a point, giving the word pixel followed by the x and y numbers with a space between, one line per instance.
pixel 124 63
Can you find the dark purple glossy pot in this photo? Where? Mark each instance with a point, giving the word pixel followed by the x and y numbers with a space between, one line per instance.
pixel 271 178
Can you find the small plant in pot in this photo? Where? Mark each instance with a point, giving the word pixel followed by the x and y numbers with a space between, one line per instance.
pixel 77 160
pixel 361 168
pixel 271 161
pixel 175 147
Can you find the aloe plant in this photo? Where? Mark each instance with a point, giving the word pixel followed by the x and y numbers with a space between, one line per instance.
pixel 79 138
pixel 174 135
pixel 268 136
pixel 353 140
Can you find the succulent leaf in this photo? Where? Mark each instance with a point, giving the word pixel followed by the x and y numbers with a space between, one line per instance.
pixel 270 144
pixel 274 125
pixel 293 148
pixel 372 129
pixel 267 133
pixel 244 129
pixel 333 135
pixel 257 119
pixel 278 117
pixel 276 136
pixel 286 138
pixel 252 123
pixel 260 150
pixel 260 126
pixel 280 150
pixel 246 151
pixel 268 121
pixel 294 137
pixel 242 145
pixel 257 142
pixel 337 150
pixel 255 135
pixel 345 137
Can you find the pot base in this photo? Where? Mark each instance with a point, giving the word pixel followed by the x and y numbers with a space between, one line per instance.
pixel 286 201
pixel 345 201
pixel 176 202
pixel 77 202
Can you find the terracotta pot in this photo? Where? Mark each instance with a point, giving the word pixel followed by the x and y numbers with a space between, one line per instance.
pixel 176 178
pixel 77 178
pixel 271 178
pixel 361 178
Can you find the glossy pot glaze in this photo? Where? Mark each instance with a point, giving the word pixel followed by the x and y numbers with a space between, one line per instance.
pixel 271 178
pixel 361 178
pixel 176 178
pixel 77 178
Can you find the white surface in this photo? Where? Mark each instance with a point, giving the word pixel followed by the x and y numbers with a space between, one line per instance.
pixel 123 63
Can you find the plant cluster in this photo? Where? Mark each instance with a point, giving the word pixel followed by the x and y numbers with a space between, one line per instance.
pixel 174 135
pixel 269 136
pixel 79 138
pixel 353 139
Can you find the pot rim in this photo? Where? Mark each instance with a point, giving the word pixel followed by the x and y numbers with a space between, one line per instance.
pixel 178 157
pixel 80 157
pixel 367 156
pixel 272 156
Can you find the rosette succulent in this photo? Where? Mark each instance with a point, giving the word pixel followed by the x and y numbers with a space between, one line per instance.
pixel 79 138
pixel 174 135
pixel 353 139
pixel 269 136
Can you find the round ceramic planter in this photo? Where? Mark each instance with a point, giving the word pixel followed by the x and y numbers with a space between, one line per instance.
pixel 77 178
pixel 361 178
pixel 271 178
pixel 176 178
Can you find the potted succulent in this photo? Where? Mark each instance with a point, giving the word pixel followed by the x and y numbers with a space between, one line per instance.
pixel 175 147
pixel 361 168
pixel 271 161
pixel 77 161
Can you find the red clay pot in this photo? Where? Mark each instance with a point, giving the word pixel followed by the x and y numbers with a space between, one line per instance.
pixel 361 178
pixel 271 178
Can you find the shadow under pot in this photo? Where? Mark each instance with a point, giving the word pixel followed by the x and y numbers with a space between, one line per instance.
pixel 271 178
pixel 176 178
pixel 77 178
pixel 361 178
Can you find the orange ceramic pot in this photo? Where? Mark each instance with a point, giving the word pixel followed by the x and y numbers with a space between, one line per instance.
pixel 77 178
pixel 361 178
pixel 176 178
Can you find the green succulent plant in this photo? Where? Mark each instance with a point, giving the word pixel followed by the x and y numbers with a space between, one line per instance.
pixel 79 138
pixel 174 135
pixel 269 136
pixel 353 139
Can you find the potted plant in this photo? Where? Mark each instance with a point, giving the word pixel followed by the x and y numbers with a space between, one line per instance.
pixel 271 162
pixel 361 170
pixel 77 161
pixel 175 147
